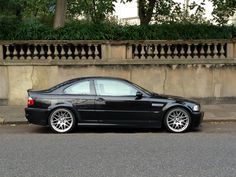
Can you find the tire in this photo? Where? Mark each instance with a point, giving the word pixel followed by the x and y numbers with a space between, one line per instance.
pixel 62 120
pixel 177 120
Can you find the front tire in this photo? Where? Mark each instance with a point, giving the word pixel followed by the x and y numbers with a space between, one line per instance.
pixel 177 120
pixel 62 120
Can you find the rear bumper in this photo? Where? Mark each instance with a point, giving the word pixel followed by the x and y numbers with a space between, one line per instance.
pixel 197 118
pixel 37 116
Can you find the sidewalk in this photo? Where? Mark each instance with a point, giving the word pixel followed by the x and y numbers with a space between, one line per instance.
pixel 213 113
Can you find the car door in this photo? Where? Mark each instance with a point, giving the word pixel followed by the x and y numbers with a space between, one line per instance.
pixel 82 96
pixel 116 102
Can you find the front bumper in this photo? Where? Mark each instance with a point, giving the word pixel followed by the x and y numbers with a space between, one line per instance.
pixel 37 116
pixel 197 118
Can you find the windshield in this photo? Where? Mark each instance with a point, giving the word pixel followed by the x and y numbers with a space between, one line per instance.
pixel 143 90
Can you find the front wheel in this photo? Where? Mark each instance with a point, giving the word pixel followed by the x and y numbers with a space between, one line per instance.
pixel 62 120
pixel 177 120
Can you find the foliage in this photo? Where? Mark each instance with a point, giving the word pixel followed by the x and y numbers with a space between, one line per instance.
pixel 223 9
pixel 82 30
pixel 169 11
pixel 12 8
pixel 29 29
pixel 92 10
pixel 39 8
pixel 26 8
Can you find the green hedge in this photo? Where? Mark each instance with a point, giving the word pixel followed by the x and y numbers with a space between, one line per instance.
pixel 11 29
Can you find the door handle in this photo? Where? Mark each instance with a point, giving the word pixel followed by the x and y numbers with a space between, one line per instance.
pixel 100 99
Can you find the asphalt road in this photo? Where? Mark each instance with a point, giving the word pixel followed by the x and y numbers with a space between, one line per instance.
pixel 33 151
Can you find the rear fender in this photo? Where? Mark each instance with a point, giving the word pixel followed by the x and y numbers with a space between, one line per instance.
pixel 67 106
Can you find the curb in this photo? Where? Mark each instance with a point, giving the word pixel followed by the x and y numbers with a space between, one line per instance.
pixel 15 123
pixel 5 122
pixel 219 120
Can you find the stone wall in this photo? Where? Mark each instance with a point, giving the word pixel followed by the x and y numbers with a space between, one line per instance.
pixel 197 82
pixel 195 69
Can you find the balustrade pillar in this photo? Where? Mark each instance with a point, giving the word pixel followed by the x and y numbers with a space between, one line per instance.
pixel 106 51
pixel 1 54
pixel 129 51
pixel 230 50
pixel 222 51
pixel 136 52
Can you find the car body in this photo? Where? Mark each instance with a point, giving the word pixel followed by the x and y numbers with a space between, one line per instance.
pixel 109 101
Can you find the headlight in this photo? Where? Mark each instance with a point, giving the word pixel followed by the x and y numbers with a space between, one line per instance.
pixel 196 108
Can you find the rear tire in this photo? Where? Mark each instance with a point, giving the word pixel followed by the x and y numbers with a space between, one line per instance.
pixel 177 120
pixel 62 120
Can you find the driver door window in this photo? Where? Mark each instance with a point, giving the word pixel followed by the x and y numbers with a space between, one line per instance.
pixel 114 88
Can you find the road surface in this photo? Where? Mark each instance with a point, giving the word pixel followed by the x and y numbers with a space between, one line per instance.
pixel 34 151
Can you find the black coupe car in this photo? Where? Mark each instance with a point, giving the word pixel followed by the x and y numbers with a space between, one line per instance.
pixel 109 101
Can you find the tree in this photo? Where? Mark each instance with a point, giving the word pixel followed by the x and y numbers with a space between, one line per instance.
pixel 60 14
pixel 223 10
pixel 92 10
pixel 145 10
pixel 168 12
pixel 12 8
pixel 39 8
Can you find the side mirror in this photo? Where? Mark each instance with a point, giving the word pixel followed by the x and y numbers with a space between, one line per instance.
pixel 139 95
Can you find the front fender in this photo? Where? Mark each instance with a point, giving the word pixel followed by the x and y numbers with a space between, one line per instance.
pixel 176 104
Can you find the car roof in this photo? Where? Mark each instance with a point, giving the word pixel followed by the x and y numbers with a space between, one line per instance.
pixel 84 78
pixel 95 77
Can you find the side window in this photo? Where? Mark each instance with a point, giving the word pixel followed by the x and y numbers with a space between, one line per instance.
pixel 114 88
pixel 80 88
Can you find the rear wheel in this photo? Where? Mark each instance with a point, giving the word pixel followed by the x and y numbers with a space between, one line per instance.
pixel 62 120
pixel 177 120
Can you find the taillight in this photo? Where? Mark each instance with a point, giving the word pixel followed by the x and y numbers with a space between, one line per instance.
pixel 31 101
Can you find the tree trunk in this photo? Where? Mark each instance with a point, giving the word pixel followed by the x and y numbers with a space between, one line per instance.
pixel 60 14
pixel 145 10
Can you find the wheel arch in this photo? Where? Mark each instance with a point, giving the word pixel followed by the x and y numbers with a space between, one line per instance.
pixel 172 107
pixel 70 108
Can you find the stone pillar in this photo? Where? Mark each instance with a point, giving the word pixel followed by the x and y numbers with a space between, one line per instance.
pixel 230 50
pixel 1 54
pixel 118 51
pixel 20 80
pixel 128 51
pixel 3 85
pixel 106 51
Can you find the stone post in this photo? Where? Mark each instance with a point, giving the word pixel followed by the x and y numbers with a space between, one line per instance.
pixel 128 51
pixel 106 51
pixel 1 54
pixel 230 51
pixel 118 51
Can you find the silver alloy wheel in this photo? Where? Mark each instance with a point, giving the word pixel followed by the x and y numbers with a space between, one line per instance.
pixel 177 120
pixel 61 120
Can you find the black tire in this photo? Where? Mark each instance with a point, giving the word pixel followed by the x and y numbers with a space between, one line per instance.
pixel 62 120
pixel 177 120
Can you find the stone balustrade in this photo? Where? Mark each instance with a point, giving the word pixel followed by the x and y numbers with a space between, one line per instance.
pixel 50 51
pixel 117 52
pixel 180 50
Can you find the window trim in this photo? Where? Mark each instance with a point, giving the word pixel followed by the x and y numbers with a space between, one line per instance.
pixel 122 81
pixel 91 87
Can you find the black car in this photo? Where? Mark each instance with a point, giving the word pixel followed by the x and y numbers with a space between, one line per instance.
pixel 109 101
